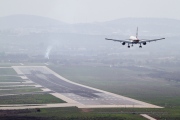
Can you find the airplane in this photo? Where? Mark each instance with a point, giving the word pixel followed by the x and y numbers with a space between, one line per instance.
pixel 134 40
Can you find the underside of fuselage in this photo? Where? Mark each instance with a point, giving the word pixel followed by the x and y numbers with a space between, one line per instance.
pixel 135 41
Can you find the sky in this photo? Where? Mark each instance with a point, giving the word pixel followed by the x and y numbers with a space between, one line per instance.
pixel 84 11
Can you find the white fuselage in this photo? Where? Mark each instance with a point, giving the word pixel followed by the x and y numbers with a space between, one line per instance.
pixel 133 39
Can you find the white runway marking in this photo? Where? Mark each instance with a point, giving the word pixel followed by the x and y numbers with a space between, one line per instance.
pixel 46 89
pixel 147 116
pixel 21 63
pixel 23 77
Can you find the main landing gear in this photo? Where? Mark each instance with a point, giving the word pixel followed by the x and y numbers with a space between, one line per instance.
pixel 129 45
pixel 140 46
pixel 132 46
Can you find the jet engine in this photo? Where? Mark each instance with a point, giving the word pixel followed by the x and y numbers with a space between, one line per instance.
pixel 144 43
pixel 123 43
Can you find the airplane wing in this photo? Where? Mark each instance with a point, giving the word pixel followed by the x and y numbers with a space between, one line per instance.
pixel 119 40
pixel 144 40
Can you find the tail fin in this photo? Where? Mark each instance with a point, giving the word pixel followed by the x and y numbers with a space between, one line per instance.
pixel 137 33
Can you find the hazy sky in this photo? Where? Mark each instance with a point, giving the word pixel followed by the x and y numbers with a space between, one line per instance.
pixel 73 11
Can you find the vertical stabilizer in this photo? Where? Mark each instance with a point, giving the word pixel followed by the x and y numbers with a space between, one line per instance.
pixel 137 33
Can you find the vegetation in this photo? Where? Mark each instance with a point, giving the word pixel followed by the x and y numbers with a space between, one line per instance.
pixel 20 91
pixel 68 113
pixel 9 64
pixel 30 99
pixel 10 79
pixel 16 87
pixel 7 71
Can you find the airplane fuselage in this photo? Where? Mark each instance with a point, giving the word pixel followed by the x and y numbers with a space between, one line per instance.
pixel 134 39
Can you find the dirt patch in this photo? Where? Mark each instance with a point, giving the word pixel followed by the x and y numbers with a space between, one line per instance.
pixel 86 110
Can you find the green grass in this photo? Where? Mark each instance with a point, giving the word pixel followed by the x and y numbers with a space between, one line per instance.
pixel 34 64
pixel 30 99
pixel 108 113
pixel 10 79
pixel 20 91
pixel 7 71
pixel 73 113
pixel 9 64
pixel 8 84
pixel 17 87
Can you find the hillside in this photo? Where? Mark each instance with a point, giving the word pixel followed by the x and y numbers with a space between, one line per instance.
pixel 24 21
pixel 124 26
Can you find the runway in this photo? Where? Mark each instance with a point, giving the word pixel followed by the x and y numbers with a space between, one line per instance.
pixel 79 95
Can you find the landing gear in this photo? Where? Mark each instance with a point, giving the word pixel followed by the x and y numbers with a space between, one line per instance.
pixel 132 45
pixel 128 46
pixel 140 46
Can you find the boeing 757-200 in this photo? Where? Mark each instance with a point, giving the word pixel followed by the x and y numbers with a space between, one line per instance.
pixel 135 40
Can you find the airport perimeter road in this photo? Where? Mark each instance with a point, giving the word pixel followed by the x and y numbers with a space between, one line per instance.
pixel 80 95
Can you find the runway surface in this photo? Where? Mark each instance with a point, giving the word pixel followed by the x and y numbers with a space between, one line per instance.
pixel 80 95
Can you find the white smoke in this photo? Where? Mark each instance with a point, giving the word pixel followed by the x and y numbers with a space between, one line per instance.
pixel 48 50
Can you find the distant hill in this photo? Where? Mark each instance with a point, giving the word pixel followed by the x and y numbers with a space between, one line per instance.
pixel 124 26
pixel 23 21
pixel 127 26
